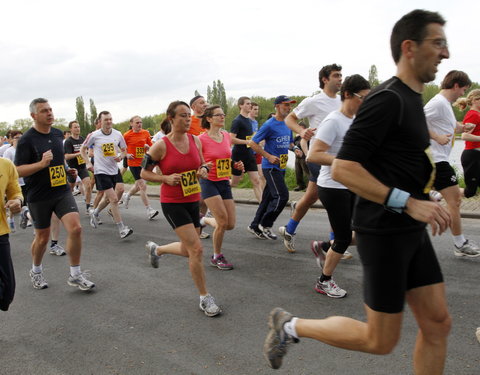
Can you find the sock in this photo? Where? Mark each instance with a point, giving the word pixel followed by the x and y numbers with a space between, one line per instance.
pixel 202 297
pixel 88 205
pixel 75 271
pixel 325 277
pixel 53 243
pixel 120 226
pixel 292 226
pixel 96 211
pixel 215 256
pixel 459 240
pixel 148 207
pixel 289 328
pixel 37 269
pixel 202 221
pixel 332 236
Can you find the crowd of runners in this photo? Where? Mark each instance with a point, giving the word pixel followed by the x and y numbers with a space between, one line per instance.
pixel 376 150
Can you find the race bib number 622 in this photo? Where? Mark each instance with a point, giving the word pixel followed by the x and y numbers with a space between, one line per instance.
pixel 189 182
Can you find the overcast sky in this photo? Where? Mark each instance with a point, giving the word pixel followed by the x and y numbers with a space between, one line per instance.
pixel 134 57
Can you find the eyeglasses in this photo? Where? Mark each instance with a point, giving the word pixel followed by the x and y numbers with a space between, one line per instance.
pixel 361 97
pixel 219 115
pixel 438 43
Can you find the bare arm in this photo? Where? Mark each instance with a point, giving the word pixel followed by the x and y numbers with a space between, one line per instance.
pixel 84 153
pixel 157 153
pixel 259 150
pixel 318 153
pixel 292 123
pixel 442 139
pixel 237 141
pixel 29 169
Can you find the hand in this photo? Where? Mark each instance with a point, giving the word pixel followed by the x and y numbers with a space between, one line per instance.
pixel 47 157
pixel 468 128
pixel 298 153
pixel 273 159
pixel 239 165
pixel 307 134
pixel 146 147
pixel 173 179
pixel 90 166
pixel 429 212
pixel 14 205
pixel 443 139
pixel 202 172
pixel 118 158
pixel 72 172
pixel 130 156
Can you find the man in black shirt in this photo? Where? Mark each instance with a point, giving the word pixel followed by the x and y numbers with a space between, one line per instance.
pixel 40 159
pixel 385 159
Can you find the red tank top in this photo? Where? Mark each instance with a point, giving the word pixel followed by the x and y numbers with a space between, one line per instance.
pixel 176 162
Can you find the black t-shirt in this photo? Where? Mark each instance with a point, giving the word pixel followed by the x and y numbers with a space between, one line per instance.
pixel 49 182
pixel 72 146
pixel 389 137
pixel 242 127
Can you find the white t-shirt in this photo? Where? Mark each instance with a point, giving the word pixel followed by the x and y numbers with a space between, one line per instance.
pixel 441 120
pixel 10 155
pixel 4 148
pixel 105 149
pixel 316 108
pixel 159 135
pixel 332 131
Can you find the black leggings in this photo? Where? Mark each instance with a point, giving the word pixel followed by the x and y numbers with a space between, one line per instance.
pixel 471 171
pixel 339 206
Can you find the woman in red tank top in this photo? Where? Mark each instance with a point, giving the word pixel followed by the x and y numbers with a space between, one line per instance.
pixel 179 157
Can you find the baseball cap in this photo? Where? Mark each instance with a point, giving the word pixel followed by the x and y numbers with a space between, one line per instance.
pixel 283 99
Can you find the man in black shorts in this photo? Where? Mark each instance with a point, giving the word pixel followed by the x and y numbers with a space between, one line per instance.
pixel 384 160
pixel 240 133
pixel 41 161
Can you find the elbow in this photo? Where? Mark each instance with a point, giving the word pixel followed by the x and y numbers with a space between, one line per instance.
pixel 336 170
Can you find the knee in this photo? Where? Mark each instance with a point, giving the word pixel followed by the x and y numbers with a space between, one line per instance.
pixel 437 328
pixel 42 239
pixel 76 230
pixel 114 200
pixel 230 226
pixel 195 252
pixel 382 345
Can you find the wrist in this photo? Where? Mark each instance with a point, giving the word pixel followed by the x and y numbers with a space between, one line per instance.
pixel 396 200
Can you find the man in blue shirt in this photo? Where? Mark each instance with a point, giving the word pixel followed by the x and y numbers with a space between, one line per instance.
pixel 278 139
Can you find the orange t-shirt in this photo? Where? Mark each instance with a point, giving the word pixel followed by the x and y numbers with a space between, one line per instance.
pixel 195 127
pixel 136 146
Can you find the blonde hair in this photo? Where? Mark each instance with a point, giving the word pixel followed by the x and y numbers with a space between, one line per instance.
pixel 462 103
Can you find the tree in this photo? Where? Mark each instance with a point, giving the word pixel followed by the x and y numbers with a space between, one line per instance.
pixel 217 95
pixel 93 115
pixel 196 93
pixel 82 116
pixel 373 76
pixel 23 124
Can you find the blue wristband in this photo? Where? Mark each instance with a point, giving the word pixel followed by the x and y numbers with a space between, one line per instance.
pixel 397 200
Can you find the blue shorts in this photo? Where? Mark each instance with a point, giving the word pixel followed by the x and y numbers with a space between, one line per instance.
pixel 212 188
pixel 314 170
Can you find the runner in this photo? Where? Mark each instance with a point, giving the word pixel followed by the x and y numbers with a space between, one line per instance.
pixel 106 141
pixel 278 139
pixel 240 133
pixel 442 126
pixel 335 197
pixel 180 159
pixel 471 156
pixel 42 164
pixel 138 142
pixel 216 190
pixel 315 109
pixel 252 115
pixel 384 159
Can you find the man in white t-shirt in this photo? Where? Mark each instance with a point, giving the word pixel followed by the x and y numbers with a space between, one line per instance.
pixel 106 141
pixel 442 126
pixel 315 109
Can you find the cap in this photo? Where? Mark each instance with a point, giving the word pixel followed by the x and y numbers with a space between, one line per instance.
pixel 283 99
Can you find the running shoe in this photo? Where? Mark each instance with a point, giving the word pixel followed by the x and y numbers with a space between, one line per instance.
pixel 125 200
pixel 38 281
pixel 288 239
pixel 325 245
pixel 277 340
pixel 93 220
pixel 57 250
pixel 204 235
pixel 329 288
pixel 76 191
pixel 24 217
pixel 209 214
pixel 220 262
pixel 267 232
pixel 125 232
pixel 208 306
pixel 319 252
pixel 478 334
pixel 347 255
pixel 256 232
pixel 81 281
pixel 152 253
pixel 151 213
pixel 468 249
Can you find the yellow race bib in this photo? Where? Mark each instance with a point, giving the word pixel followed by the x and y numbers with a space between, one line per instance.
pixel 429 185
pixel 80 160
pixel 108 149
pixel 283 161
pixel 58 176
pixel 139 152
pixel 224 167
pixel 189 182
pixel 247 138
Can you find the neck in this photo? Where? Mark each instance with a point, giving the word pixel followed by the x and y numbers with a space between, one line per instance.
pixel 106 131
pixel 408 77
pixel 347 110
pixel 244 114
pixel 214 131
pixel 279 117
pixel 45 129
pixel 177 136
pixel 448 95
pixel 329 93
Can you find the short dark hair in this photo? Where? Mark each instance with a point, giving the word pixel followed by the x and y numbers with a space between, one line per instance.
pixel 70 124
pixel 455 77
pixel 242 99
pixel 255 104
pixel 353 84
pixel 208 113
pixel 326 71
pixel 101 114
pixel 172 108
pixel 412 26
pixel 13 133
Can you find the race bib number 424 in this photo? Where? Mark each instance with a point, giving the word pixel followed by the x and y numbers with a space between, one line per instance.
pixel 189 182
pixel 58 177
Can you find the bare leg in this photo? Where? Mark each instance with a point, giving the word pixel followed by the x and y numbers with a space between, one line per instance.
pixel 71 222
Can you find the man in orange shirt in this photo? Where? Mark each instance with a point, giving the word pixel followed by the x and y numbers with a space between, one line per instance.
pixel 198 104
pixel 138 142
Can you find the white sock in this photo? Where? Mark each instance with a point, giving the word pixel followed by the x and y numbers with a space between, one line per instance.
pixel 75 271
pixel 459 240
pixel 37 269
pixel 289 328
pixel 215 256
pixel 120 226
pixel 202 297
pixel 202 221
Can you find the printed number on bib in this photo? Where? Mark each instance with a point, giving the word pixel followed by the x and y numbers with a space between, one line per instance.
pixel 190 183
pixel 283 161
pixel 58 177
pixel 80 160
pixel 224 168
pixel 139 152
pixel 247 138
pixel 108 149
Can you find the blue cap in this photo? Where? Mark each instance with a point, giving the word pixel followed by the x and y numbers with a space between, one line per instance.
pixel 283 99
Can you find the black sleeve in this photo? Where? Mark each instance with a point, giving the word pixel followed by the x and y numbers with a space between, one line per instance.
pixel 68 146
pixel 373 123
pixel 235 126
pixel 24 152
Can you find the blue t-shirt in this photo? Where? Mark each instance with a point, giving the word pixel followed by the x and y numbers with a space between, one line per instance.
pixel 277 138
pixel 254 125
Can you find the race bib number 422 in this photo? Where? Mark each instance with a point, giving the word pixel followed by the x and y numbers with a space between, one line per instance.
pixel 58 177
pixel 189 182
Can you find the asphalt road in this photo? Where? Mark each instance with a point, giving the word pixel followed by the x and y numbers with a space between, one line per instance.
pixel 141 320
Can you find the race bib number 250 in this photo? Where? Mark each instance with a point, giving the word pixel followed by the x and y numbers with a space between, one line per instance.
pixel 58 177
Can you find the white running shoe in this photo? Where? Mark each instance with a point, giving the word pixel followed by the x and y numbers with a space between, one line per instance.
pixel 288 239
pixel 152 253
pixel 57 250
pixel 468 249
pixel 151 213
pixel 81 281
pixel 125 232
pixel 267 232
pixel 125 200
pixel 208 306
pixel 329 288
pixel 38 281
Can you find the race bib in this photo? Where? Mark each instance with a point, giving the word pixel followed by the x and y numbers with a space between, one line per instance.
pixel 189 182
pixel 139 152
pixel 108 149
pixel 58 177
pixel 80 160
pixel 247 138
pixel 283 161
pixel 224 167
